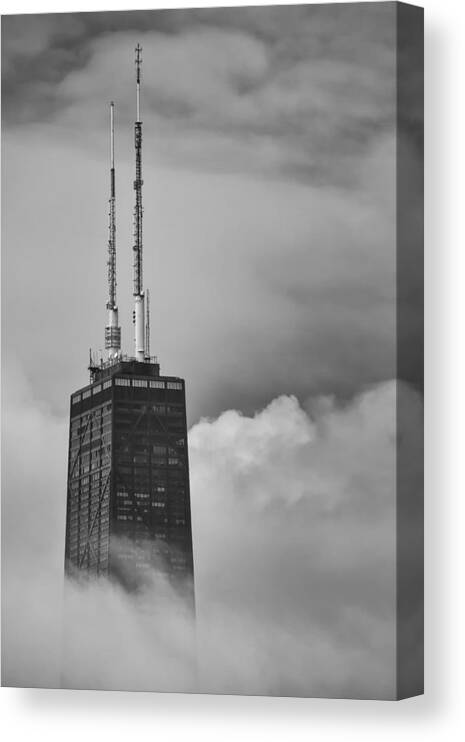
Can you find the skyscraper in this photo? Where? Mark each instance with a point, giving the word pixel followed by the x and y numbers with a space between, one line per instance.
pixel 128 499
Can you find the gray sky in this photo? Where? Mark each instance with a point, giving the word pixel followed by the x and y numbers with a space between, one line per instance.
pixel 269 169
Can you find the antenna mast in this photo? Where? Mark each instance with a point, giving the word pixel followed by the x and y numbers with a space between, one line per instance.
pixel 112 330
pixel 139 329
pixel 147 325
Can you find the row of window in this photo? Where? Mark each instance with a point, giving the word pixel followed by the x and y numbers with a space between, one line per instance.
pixel 176 506
pixel 142 495
pixel 126 459
pixel 91 391
pixel 125 514
pixel 148 383
pixel 131 407
pixel 121 516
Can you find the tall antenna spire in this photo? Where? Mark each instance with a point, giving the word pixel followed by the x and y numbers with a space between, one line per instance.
pixel 139 329
pixel 112 330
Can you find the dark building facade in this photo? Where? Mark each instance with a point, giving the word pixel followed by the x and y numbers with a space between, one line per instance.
pixel 128 502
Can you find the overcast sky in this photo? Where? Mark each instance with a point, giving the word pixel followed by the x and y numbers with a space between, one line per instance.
pixel 269 194
pixel 270 253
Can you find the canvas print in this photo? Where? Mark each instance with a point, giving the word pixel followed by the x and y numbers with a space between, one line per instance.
pixel 212 355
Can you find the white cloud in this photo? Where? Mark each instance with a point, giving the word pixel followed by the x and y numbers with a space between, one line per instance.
pixel 294 546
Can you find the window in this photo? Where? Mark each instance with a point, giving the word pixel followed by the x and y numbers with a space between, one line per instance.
pixel 157 384
pixel 174 385
pixel 97 389
pixel 75 398
pixel 123 382
pixel 107 384
pixel 139 382
pixel 86 394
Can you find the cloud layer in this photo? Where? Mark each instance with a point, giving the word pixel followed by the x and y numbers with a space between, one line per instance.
pixel 294 546
pixel 295 90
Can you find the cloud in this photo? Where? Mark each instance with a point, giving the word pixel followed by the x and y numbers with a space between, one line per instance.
pixel 294 546
pixel 295 535
pixel 291 91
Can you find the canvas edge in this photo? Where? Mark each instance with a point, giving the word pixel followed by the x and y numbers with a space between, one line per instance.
pixel 410 354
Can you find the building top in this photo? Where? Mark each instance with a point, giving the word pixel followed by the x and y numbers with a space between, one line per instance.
pixel 123 365
pixel 126 373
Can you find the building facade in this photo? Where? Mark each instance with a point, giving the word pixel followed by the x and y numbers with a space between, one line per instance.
pixel 128 502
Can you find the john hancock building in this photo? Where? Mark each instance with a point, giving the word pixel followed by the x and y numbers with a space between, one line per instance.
pixel 128 500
